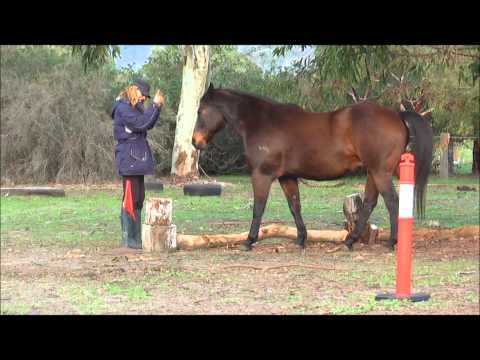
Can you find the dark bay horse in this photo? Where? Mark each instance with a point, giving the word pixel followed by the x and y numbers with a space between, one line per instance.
pixel 284 142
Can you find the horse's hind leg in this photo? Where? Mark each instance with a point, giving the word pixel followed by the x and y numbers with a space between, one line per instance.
pixel 385 187
pixel 369 203
pixel 261 187
pixel 290 189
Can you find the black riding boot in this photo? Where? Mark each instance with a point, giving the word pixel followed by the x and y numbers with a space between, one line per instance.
pixel 123 241
pixel 131 230
pixel 137 244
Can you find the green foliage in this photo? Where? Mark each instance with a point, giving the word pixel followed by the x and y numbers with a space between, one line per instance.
pixel 94 56
pixel 59 128
pixel 55 118
pixel 229 69
pixel 445 75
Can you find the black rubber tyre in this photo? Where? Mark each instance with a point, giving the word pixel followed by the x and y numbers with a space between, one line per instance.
pixel 34 190
pixel 202 189
pixel 157 186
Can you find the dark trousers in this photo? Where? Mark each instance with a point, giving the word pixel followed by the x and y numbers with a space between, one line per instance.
pixel 138 189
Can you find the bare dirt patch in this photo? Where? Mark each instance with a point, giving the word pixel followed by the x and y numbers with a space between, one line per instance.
pixel 274 278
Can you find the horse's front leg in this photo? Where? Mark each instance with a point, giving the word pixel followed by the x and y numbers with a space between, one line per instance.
pixel 261 187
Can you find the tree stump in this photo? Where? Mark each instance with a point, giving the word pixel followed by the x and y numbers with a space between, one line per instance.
pixel 158 232
pixel 158 211
pixel 159 238
pixel 351 208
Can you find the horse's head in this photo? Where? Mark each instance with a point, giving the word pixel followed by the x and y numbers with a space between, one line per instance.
pixel 210 120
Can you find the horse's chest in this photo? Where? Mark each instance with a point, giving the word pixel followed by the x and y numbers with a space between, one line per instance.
pixel 265 157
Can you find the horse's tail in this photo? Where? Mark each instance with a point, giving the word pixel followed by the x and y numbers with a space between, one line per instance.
pixel 421 144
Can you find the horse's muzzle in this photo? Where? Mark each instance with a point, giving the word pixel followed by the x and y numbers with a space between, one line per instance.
pixel 198 142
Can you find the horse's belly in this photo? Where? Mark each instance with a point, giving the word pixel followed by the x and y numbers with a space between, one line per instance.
pixel 324 169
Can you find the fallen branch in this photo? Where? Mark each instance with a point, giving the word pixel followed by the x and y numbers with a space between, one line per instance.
pixel 466 272
pixel 242 266
pixel 299 265
pixel 268 268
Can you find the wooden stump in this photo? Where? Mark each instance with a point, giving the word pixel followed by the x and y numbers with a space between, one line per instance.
pixel 373 238
pixel 158 232
pixel 159 238
pixel 351 208
pixel 158 211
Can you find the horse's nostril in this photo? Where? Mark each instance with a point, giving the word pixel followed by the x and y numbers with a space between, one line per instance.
pixel 195 144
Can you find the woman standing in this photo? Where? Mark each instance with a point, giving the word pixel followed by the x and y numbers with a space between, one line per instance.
pixel 133 156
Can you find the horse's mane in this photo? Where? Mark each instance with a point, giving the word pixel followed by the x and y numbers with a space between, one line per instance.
pixel 261 99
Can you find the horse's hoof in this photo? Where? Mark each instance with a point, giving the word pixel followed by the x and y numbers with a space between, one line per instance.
pixel 300 245
pixel 245 247
pixel 349 242
pixel 349 245
pixel 390 246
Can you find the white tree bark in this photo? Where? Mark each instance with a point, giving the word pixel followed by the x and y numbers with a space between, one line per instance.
pixel 195 71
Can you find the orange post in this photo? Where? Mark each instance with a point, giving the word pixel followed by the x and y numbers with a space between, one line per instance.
pixel 405 224
pixel 404 234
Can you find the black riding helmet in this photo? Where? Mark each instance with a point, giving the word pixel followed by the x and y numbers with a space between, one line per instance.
pixel 143 86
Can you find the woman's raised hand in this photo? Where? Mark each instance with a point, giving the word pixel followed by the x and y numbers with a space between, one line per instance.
pixel 158 99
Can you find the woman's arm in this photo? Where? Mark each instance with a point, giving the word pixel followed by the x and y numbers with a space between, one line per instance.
pixel 138 122
pixel 159 107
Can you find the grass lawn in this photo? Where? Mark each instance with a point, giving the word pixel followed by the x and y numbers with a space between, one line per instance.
pixel 56 259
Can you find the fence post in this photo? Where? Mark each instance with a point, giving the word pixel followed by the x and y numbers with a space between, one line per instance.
pixel 476 157
pixel 444 168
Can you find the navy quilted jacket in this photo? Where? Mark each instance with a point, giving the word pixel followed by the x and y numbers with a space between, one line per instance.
pixel 132 152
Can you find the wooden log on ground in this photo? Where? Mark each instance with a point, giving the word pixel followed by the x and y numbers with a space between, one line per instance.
pixel 373 234
pixel 159 234
pixel 158 211
pixel 34 190
pixel 189 242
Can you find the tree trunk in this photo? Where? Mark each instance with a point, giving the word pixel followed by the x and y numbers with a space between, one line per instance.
pixel 195 72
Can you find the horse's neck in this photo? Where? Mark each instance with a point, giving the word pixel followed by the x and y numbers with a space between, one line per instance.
pixel 229 104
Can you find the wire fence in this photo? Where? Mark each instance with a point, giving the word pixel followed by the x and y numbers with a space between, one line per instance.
pixel 460 154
